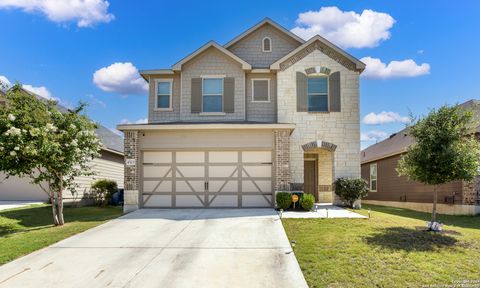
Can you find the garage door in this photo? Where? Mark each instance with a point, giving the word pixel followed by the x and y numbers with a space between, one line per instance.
pixel 207 179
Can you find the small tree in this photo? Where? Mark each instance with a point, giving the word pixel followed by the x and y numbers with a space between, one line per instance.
pixel 350 190
pixel 50 147
pixel 445 149
pixel 102 190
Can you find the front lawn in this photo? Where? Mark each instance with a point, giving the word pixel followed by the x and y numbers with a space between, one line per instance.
pixel 24 230
pixel 388 250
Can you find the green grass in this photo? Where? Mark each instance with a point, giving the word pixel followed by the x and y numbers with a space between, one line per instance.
pixel 389 250
pixel 24 230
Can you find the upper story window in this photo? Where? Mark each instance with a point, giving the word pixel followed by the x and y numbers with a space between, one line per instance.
pixel 317 93
pixel 267 44
pixel 163 90
pixel 373 177
pixel 260 90
pixel 212 95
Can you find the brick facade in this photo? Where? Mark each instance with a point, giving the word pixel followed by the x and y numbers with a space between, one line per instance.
pixel 131 192
pixel 471 192
pixel 282 160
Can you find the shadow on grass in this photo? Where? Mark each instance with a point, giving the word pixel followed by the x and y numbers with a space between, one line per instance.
pixel 40 217
pixel 410 240
pixel 464 221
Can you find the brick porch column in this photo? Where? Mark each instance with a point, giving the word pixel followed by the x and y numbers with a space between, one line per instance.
pixel 131 193
pixel 282 160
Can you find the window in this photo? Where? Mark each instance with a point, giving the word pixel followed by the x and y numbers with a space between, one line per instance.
pixel 260 90
pixel 318 94
pixel 267 44
pixel 164 95
pixel 373 177
pixel 212 91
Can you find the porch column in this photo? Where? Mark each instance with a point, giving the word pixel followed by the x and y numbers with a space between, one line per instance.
pixel 131 192
pixel 282 160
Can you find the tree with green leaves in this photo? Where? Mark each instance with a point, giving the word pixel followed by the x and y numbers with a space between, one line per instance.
pixel 351 189
pixel 445 149
pixel 51 147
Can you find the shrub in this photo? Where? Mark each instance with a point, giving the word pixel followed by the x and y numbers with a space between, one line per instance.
pixel 102 190
pixel 284 200
pixel 308 200
pixel 350 190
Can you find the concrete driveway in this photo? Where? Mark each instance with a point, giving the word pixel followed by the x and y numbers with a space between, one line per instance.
pixel 167 248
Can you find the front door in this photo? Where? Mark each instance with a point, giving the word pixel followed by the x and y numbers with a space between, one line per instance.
pixel 310 177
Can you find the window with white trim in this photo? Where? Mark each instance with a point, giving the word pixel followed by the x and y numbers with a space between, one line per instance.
pixel 373 177
pixel 260 90
pixel 317 93
pixel 212 95
pixel 267 44
pixel 163 90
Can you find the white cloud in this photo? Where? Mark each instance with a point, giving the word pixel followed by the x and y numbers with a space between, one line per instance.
pixel 347 29
pixel 405 68
pixel 384 117
pixel 85 13
pixel 139 121
pixel 373 135
pixel 41 91
pixel 4 83
pixel 121 78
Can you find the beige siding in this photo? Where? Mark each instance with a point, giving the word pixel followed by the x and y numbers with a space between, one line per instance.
pixel 212 62
pixel 108 166
pixel 250 48
pixel 206 139
pixel 262 111
pixel 164 116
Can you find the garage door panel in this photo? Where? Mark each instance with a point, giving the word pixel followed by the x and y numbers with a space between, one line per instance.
pixel 190 186
pixel 230 186
pixel 255 201
pixel 257 157
pixel 157 157
pixel 224 201
pixel 157 201
pixel 188 201
pixel 190 171
pixel 157 186
pixel 223 157
pixel 223 171
pixel 258 171
pixel 190 157
pixel 157 171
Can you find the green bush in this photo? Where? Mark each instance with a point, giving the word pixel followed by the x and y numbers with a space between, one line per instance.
pixel 102 190
pixel 308 200
pixel 350 190
pixel 284 200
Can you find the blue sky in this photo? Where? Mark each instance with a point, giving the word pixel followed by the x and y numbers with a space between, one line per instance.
pixel 57 51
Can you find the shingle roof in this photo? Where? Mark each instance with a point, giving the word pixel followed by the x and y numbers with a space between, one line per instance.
pixel 399 142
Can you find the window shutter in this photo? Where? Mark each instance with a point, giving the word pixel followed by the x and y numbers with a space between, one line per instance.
pixel 229 95
pixel 334 94
pixel 196 101
pixel 302 98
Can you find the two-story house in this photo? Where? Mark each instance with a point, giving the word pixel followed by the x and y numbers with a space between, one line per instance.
pixel 230 125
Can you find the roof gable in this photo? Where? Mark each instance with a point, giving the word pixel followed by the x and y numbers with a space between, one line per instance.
pixel 178 66
pixel 319 43
pixel 260 24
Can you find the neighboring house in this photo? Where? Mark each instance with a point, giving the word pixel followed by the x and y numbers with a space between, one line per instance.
pixel 108 166
pixel 379 163
pixel 230 125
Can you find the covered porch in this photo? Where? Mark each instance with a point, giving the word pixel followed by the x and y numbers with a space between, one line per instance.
pixel 318 170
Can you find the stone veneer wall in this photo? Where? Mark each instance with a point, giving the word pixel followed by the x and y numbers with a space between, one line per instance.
pixel 131 150
pixel 471 192
pixel 340 128
pixel 282 160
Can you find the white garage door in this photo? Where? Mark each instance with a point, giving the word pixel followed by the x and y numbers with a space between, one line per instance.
pixel 207 179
